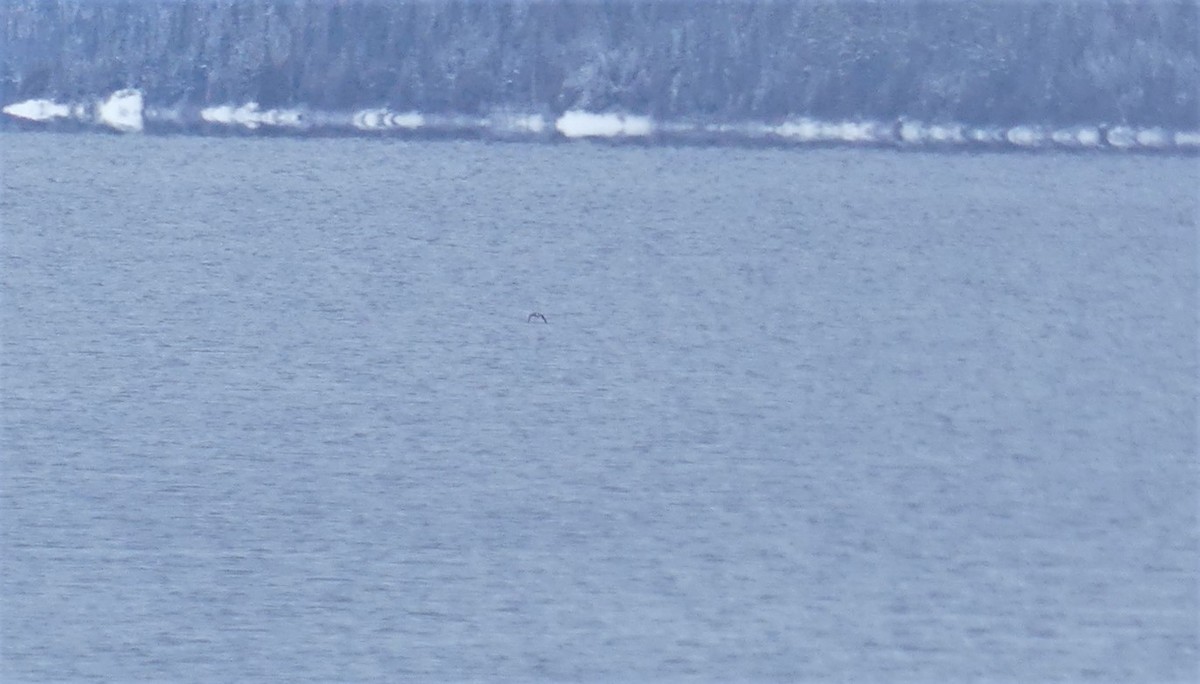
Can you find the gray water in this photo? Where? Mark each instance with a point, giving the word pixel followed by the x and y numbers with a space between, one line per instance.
pixel 272 411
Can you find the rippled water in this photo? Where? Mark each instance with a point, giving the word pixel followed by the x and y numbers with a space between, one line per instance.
pixel 272 410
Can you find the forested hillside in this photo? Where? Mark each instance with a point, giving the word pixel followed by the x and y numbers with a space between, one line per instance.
pixel 987 63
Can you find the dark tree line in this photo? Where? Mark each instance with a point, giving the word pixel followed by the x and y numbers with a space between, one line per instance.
pixel 977 62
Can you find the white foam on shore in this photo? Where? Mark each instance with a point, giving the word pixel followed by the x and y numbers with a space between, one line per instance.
pixel 1155 138
pixel 126 110
pixel 1086 136
pixel 581 124
pixel 409 120
pixel 251 117
pixel 1187 139
pixel 945 134
pixel 1121 137
pixel 122 111
pixel 1026 136
pixel 911 132
pixel 812 130
pixel 507 123
pixel 382 119
pixel 38 110
pixel 986 135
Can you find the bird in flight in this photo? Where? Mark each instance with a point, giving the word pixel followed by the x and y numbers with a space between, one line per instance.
pixel 535 316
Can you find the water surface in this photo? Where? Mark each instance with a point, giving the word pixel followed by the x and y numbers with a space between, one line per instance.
pixel 271 410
